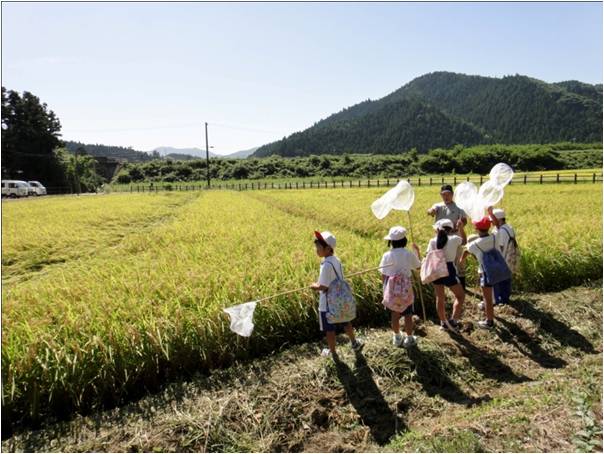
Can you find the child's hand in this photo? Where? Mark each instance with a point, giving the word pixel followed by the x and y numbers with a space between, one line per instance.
pixel 490 210
pixel 460 224
pixel 315 286
pixel 415 248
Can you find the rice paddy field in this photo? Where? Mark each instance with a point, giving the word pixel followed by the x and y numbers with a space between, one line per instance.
pixel 106 297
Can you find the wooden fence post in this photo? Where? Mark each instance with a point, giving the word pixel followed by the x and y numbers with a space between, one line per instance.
pixel 557 178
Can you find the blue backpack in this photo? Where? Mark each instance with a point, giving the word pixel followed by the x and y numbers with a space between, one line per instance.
pixel 494 267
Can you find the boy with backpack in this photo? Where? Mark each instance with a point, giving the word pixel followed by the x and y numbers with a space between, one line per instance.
pixel 331 280
pixel 506 240
pixel 491 266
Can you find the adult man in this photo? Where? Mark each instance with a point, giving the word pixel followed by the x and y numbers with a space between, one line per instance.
pixel 448 209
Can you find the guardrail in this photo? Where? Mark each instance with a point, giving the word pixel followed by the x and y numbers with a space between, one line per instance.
pixel 369 183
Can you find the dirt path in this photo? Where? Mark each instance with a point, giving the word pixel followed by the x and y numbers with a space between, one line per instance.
pixel 532 384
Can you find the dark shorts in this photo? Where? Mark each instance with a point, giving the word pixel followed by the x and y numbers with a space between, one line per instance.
pixel 449 280
pixel 408 311
pixel 325 326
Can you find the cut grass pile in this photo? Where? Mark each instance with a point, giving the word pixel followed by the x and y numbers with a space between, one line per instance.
pixel 532 385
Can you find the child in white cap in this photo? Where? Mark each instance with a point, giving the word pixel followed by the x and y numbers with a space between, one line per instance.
pixel 447 240
pixel 505 237
pixel 331 269
pixel 397 265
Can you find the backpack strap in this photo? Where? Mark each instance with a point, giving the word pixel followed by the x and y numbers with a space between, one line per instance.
pixel 334 270
pixel 494 245
pixel 508 232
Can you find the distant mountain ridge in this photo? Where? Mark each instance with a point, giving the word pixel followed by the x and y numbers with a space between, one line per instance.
pixel 442 109
pixel 131 155
pixel 194 153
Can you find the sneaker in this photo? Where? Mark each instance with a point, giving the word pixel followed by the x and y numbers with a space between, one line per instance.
pixel 326 352
pixel 397 339
pixel 486 324
pixel 481 305
pixel 449 325
pixel 357 345
pixel 454 324
pixel 410 341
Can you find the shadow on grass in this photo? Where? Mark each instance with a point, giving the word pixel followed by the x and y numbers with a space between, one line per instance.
pixel 367 399
pixel 560 331
pixel 486 363
pixel 435 380
pixel 529 346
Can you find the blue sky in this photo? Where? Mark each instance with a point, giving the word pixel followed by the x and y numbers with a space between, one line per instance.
pixel 149 74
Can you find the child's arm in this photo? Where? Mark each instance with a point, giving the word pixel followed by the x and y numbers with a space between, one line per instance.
pixel 462 231
pixel 416 249
pixel 494 220
pixel 462 259
pixel 318 287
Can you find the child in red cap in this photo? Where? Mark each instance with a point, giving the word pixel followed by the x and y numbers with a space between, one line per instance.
pixel 484 242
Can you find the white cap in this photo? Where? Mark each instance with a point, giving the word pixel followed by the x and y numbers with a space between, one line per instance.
pixel 396 233
pixel 442 223
pixel 498 213
pixel 326 237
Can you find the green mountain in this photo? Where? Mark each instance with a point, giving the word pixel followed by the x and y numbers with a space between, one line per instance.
pixel 109 151
pixel 442 109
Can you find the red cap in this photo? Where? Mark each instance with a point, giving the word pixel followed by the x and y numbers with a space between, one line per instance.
pixel 483 224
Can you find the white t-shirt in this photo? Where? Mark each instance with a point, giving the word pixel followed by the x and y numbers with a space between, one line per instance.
pixel 402 260
pixel 453 243
pixel 485 243
pixel 327 275
pixel 503 235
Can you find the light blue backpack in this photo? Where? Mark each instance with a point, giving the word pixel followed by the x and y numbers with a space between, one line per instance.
pixel 341 306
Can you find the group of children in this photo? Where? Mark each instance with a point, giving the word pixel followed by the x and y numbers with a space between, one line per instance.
pixel 399 262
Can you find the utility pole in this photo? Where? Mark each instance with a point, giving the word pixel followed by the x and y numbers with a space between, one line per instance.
pixel 207 156
pixel 77 170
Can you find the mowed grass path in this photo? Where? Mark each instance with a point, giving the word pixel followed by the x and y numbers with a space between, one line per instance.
pixel 139 296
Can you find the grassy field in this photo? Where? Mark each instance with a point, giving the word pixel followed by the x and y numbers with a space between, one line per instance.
pixel 532 385
pixel 115 294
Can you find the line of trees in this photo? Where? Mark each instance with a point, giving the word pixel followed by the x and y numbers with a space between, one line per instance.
pixel 478 159
pixel 32 148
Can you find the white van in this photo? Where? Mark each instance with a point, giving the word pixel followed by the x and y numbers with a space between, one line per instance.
pixel 14 188
pixel 36 188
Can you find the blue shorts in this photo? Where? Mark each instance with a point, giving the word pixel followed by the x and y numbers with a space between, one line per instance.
pixel 326 327
pixel 449 280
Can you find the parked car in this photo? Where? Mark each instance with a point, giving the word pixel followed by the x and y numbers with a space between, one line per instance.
pixel 36 188
pixel 15 188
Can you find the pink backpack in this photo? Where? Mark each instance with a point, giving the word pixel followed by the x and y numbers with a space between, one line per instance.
pixel 434 266
pixel 398 293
